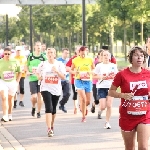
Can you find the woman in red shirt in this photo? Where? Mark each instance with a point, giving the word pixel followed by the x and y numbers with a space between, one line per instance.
pixel 134 110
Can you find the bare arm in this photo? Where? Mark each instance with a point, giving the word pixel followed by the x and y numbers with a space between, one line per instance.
pixel 113 93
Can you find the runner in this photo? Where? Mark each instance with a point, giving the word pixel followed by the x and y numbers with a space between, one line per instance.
pixel 23 63
pixel 82 68
pixel 105 72
pixel 98 60
pixel 66 88
pixel 9 83
pixel 135 107
pixel 51 72
pixel 33 61
pixel 68 68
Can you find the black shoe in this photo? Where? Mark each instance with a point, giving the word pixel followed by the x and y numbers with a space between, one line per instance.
pixel 33 112
pixel 15 103
pixel 62 107
pixel 21 103
pixel 38 115
pixel 93 109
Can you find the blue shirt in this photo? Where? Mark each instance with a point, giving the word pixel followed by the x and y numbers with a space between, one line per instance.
pixel 64 61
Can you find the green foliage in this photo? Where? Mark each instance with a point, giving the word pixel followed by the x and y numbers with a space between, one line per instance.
pixel 61 26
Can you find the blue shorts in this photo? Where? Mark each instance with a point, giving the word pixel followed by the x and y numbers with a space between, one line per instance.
pixel 83 85
pixel 102 92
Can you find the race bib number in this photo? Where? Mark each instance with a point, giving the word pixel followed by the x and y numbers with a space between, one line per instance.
pixel 34 69
pixel 84 76
pixel 51 79
pixel 137 107
pixel 8 75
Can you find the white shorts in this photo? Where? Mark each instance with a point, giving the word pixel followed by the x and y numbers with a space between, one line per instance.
pixel 9 87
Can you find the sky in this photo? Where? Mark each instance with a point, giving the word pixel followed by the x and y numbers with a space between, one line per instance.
pixel 11 9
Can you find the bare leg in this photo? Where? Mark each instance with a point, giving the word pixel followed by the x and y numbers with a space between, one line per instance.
pixel 48 120
pixel 82 102
pixel 129 144
pixel 33 100
pixel 53 119
pixel 10 103
pixel 4 96
pixel 143 134
pixel 109 101
pixel 39 102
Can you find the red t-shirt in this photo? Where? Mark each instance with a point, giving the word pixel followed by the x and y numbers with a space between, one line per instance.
pixel 69 64
pixel 127 81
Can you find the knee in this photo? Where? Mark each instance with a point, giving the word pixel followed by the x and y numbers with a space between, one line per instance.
pixel 102 108
pixel 34 96
pixel 21 90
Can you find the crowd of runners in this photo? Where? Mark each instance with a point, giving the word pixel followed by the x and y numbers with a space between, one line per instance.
pixel 51 77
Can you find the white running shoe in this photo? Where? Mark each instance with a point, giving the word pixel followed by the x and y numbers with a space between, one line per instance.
pixel 50 133
pixel 107 125
pixel 5 118
pixel 10 117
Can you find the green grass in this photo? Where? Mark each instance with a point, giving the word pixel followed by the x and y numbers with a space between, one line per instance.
pixel 122 64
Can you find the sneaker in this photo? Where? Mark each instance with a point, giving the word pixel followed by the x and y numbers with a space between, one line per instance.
pixel 62 107
pixel 93 109
pixel 83 120
pixel 50 133
pixel 38 115
pixel 21 103
pixel 10 117
pixel 99 115
pixel 107 125
pixel 15 103
pixel 33 112
pixel 5 119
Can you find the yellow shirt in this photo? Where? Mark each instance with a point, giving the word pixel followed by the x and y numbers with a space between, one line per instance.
pixel 23 62
pixel 83 65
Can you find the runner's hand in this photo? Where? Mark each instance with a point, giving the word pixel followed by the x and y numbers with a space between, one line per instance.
pixel 54 69
pixel 128 96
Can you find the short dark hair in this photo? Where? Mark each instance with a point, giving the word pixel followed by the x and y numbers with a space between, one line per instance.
pixel 132 51
pixel 7 49
pixel 105 47
pixel 63 49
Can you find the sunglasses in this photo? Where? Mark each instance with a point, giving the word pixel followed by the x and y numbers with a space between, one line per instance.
pixel 7 54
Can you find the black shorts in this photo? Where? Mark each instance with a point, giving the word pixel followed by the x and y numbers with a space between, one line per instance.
pixel 74 92
pixel 34 87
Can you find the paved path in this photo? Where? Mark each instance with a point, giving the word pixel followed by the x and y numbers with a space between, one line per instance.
pixel 26 132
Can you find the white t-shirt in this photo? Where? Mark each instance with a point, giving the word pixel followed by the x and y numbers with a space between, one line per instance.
pixel 51 81
pixel 107 70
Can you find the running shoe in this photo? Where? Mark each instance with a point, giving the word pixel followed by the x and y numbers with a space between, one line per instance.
pixel 21 103
pixel 93 109
pixel 38 115
pixel 5 119
pixel 99 115
pixel 50 133
pixel 83 120
pixel 33 112
pixel 107 125
pixel 10 117
pixel 15 103
pixel 62 107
